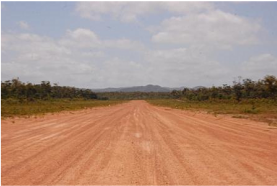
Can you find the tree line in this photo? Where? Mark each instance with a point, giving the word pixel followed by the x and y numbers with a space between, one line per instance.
pixel 16 89
pixel 241 89
pixel 134 95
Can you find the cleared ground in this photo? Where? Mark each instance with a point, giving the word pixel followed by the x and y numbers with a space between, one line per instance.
pixel 137 143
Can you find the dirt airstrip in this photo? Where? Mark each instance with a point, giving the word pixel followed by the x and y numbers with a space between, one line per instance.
pixel 137 143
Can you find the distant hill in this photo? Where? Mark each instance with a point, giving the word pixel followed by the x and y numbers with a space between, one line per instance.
pixel 147 88
pixel 198 87
pixel 175 88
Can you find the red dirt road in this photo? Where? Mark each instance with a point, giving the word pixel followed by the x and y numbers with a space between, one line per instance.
pixel 137 143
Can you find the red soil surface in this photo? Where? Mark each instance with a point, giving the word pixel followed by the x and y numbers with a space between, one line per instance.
pixel 137 143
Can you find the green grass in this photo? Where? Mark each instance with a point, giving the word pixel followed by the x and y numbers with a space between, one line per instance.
pixel 265 110
pixel 11 108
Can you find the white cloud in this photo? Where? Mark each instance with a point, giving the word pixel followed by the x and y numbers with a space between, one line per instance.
pixel 184 48
pixel 35 61
pixel 130 11
pixel 213 28
pixel 84 38
pixel 118 72
pixel 183 66
pixel 187 7
pixel 34 58
pixel 23 25
pixel 259 66
pixel 80 62
pixel 124 44
pixel 82 35
pixel 75 59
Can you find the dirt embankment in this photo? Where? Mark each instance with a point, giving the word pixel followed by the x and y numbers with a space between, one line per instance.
pixel 136 143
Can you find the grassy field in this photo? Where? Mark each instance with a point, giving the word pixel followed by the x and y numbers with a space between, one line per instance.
pixel 263 110
pixel 11 108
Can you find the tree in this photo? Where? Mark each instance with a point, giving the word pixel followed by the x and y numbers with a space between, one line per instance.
pixel 271 86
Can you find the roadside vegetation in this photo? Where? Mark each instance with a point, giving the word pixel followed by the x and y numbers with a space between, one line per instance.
pixel 26 99
pixel 222 107
pixel 11 108
pixel 134 95
pixel 263 110
pixel 15 89
pixel 265 88
pixel 244 99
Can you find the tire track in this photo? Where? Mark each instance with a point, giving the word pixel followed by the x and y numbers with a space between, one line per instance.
pixel 137 144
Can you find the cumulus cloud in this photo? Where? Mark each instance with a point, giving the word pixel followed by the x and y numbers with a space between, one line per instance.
pixel 119 72
pixel 213 28
pixel 23 25
pixel 130 11
pixel 184 49
pixel 75 59
pixel 35 58
pixel 259 66
pixel 171 67
pixel 85 38
pixel 183 66
pixel 82 38
pixel 192 23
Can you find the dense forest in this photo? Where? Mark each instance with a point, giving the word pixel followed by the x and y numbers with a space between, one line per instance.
pixel 16 89
pixel 242 89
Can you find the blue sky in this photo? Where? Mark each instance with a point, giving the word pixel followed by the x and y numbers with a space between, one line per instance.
pixel 116 44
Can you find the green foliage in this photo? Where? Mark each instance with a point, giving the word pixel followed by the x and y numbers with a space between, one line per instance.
pixel 134 95
pixel 24 99
pixel 13 107
pixel 245 106
pixel 15 89
pixel 247 89
pixel 243 97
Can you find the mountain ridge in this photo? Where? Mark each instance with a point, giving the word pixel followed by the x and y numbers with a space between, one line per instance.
pixel 146 88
